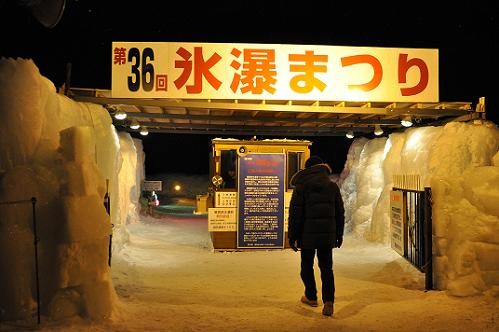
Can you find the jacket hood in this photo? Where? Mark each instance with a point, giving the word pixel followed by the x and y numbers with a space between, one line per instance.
pixel 302 175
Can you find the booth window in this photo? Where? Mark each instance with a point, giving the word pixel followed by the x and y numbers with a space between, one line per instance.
pixel 228 168
pixel 294 163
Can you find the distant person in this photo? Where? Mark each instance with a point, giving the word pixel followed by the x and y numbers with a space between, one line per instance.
pixel 153 201
pixel 316 224
pixel 230 176
pixel 230 182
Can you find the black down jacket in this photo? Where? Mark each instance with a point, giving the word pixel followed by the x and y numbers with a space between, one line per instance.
pixel 316 212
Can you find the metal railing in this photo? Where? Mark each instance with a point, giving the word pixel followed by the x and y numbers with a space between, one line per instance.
pixel 418 224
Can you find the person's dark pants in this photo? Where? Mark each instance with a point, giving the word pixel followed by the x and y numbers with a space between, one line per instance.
pixel 325 258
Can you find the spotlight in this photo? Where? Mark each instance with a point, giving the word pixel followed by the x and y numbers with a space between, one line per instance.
pixel 134 124
pixel 377 130
pixel 406 121
pixel 350 134
pixel 144 131
pixel 120 115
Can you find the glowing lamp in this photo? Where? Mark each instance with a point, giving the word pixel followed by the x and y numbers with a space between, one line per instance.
pixel 144 131
pixel 406 121
pixel 134 125
pixel 120 115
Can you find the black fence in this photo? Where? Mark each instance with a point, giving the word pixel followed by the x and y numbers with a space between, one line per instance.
pixel 418 230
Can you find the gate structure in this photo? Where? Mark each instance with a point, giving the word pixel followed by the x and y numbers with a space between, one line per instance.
pixel 411 223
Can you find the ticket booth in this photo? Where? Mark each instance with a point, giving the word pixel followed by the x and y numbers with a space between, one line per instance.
pixel 249 195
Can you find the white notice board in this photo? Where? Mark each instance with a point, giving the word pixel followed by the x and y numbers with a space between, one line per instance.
pixel 397 221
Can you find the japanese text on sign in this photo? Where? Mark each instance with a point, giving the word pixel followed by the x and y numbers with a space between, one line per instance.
pixel 261 201
pixel 225 199
pixel 397 221
pixel 222 220
pixel 273 72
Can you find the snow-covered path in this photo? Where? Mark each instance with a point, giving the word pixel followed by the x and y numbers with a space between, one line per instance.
pixel 168 278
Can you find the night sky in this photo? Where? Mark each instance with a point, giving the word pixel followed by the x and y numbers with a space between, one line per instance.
pixel 465 34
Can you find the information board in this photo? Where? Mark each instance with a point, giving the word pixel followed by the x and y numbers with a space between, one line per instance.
pixel 152 185
pixel 397 221
pixel 225 199
pixel 261 201
pixel 222 219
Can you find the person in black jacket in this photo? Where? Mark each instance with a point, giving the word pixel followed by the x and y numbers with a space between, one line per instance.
pixel 316 223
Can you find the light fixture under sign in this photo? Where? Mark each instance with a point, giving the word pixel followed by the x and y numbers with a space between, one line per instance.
pixel 144 131
pixel 406 121
pixel 134 124
pixel 120 115
pixel 377 130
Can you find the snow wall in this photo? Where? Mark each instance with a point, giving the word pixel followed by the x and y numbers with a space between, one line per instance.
pixel 460 163
pixel 60 152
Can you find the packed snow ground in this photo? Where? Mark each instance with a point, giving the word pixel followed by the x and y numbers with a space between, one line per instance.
pixel 168 278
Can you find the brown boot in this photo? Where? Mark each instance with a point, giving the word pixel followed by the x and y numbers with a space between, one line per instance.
pixel 312 303
pixel 328 309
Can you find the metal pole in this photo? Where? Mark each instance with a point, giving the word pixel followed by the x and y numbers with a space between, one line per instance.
pixel 107 205
pixel 33 203
pixel 67 83
pixel 428 239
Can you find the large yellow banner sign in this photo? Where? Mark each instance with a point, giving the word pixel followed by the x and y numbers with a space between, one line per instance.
pixel 273 72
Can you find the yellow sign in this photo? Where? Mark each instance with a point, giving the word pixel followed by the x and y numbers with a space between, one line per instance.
pixel 222 220
pixel 273 72
pixel 225 198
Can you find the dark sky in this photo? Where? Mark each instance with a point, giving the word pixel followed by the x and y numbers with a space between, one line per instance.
pixel 464 32
pixel 178 153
